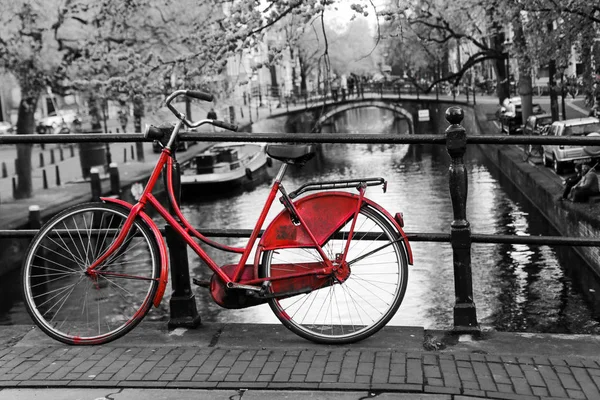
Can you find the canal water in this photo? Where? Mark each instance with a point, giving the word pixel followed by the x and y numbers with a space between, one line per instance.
pixel 516 287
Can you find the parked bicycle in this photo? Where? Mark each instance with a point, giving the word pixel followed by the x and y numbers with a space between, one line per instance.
pixel 332 265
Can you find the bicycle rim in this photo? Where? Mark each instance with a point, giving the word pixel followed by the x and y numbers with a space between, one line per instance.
pixel 360 306
pixel 74 307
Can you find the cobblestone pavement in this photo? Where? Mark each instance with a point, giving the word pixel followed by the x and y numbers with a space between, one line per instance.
pixel 459 369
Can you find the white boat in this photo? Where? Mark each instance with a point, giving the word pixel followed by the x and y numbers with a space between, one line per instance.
pixel 224 168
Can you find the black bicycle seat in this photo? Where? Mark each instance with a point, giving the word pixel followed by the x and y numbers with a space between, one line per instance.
pixel 291 153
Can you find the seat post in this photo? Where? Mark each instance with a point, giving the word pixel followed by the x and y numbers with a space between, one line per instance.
pixel 281 172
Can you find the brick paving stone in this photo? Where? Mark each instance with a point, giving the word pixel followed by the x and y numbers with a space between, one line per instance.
pixel 514 371
pixel 499 373
pixel 54 366
pixel 464 364
pixel 430 359
pixel 306 355
pixel 363 379
pixel 380 375
pixel 332 367
pixel 259 361
pixel 232 378
pixel 493 359
pixel 60 373
pixel 587 384
pixel 251 374
pixel 486 383
pixel 568 381
pixel 382 359
pixel 398 358
pixel 576 394
pixel 440 390
pixel 542 392
pixel 246 355
pixel 104 377
pixel 154 374
pixel 462 357
pixel 414 371
pixel 297 378
pixel 289 361
pixel 301 368
pixel 434 381
pixel 114 367
pixel 521 385
pixel 470 385
pixel 186 374
pixel 557 361
pixel 396 379
pixel 509 359
pixel 552 380
pixel 134 376
pixel 264 378
pixel 315 372
pixel 347 375
pixel 471 392
pixel 397 369
pixel 562 369
pixel 367 356
pixel 574 362
pixel 503 387
pixel 534 378
pixel 228 360
pixel 432 371
pixel 282 374
pixel 511 396
pixel 145 367
pixel 239 367
pixel 327 378
pixel 525 360
pixel 448 366
pixel 197 360
pixel 452 380
pixel 365 368
pixel 591 363
pixel 466 374
pixel 270 367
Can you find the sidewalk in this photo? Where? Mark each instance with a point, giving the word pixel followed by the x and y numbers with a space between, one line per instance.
pixel 251 360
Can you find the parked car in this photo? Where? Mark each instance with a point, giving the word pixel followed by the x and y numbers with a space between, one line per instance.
pixel 511 116
pixel 560 156
pixel 6 128
pixel 58 123
pixel 537 124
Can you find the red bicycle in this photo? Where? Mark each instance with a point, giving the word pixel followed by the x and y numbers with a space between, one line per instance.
pixel 332 264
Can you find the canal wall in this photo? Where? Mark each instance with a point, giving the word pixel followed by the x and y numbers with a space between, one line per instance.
pixel 541 186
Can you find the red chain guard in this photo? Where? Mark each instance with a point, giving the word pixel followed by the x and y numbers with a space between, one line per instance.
pixel 235 299
pixel 300 283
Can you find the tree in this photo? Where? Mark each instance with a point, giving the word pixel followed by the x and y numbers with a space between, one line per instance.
pixel 29 52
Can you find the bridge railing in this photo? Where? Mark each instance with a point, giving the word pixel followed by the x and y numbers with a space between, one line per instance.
pixel 183 309
pixel 275 98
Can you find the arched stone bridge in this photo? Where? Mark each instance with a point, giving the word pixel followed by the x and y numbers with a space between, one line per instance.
pixel 312 116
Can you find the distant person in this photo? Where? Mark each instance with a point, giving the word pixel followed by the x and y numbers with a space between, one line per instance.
pixel 586 187
pixel 211 114
pixel 571 181
pixel 122 116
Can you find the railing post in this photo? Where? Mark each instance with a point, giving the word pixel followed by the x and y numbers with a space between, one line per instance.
pixel 465 316
pixel 182 305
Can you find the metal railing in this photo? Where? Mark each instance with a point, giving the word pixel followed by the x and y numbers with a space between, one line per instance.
pixel 460 237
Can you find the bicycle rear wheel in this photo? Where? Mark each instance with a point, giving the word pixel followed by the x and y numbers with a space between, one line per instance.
pixel 73 306
pixel 355 309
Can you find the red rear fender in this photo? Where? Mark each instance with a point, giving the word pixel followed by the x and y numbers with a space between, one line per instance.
pixel 164 261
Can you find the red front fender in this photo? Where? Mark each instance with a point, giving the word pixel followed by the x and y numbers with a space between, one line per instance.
pixel 324 213
pixel 164 261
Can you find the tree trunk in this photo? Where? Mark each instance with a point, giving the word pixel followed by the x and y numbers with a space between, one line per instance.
pixel 525 86
pixel 25 125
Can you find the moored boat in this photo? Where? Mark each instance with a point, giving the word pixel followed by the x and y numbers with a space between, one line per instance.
pixel 224 168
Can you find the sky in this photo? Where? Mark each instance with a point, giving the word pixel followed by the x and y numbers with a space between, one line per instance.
pixel 339 15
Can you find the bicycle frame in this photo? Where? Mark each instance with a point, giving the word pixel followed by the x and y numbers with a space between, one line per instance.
pixel 188 233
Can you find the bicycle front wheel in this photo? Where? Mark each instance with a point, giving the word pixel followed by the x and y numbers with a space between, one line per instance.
pixel 348 311
pixel 76 307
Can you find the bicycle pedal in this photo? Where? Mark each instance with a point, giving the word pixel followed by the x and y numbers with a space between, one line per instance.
pixel 201 282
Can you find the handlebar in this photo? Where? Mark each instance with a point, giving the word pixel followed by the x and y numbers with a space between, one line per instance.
pixel 164 132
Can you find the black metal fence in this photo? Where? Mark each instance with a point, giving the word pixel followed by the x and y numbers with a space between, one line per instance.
pixel 183 310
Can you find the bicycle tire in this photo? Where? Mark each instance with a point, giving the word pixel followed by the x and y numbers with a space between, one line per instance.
pixel 70 305
pixel 365 302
